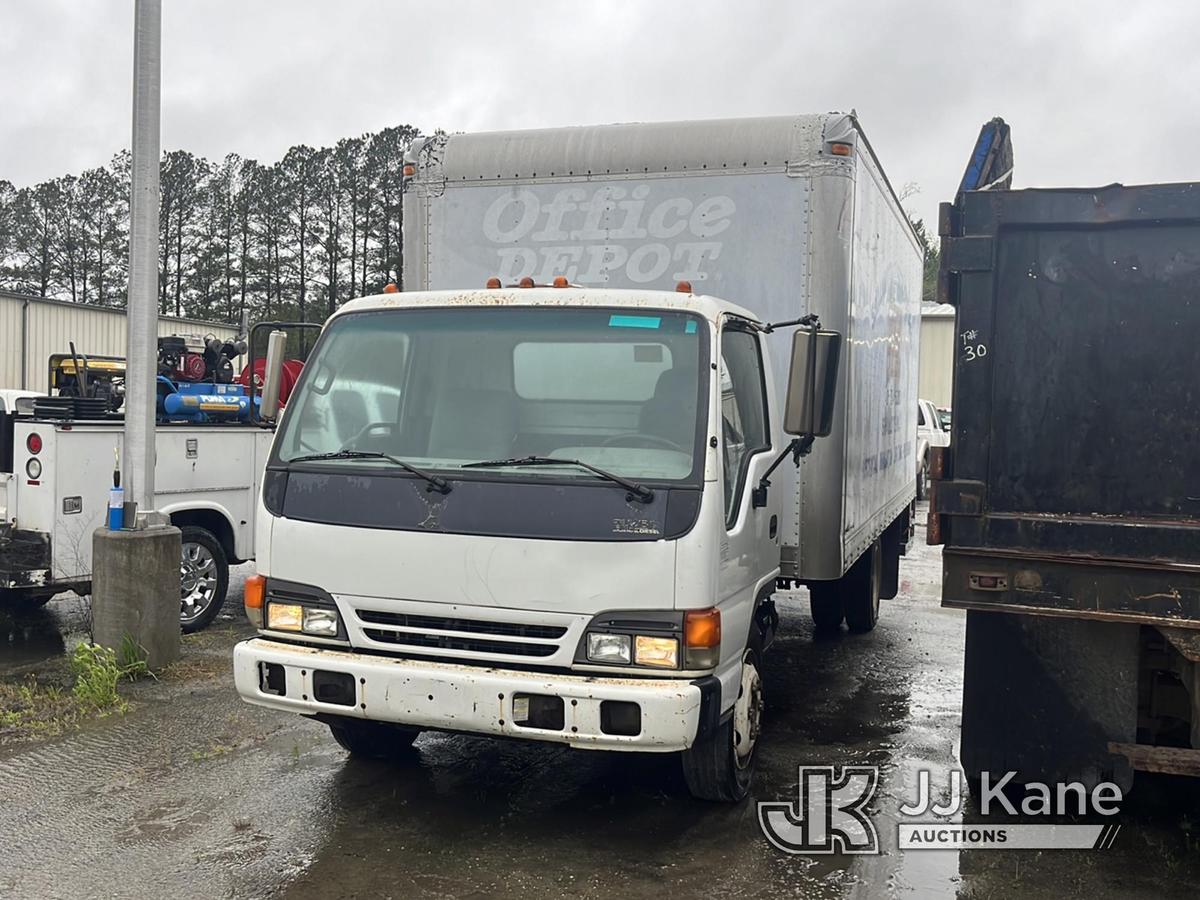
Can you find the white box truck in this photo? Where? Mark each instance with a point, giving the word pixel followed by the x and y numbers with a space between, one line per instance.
pixel 549 512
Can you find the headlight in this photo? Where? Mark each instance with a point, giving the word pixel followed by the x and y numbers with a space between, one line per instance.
pixel 33 468
pixel 608 648
pixel 661 652
pixel 285 616
pixel 316 620
pixel 320 621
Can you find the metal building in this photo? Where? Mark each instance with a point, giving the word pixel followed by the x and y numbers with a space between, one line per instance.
pixel 31 328
pixel 935 379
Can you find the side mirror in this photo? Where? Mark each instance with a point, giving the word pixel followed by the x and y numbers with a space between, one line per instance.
pixel 812 382
pixel 273 374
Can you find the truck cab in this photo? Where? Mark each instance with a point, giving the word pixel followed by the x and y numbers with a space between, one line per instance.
pixel 541 513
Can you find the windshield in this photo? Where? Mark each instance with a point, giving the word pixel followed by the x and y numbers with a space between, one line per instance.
pixel 442 388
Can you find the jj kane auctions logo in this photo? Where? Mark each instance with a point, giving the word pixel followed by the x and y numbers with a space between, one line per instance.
pixel 830 814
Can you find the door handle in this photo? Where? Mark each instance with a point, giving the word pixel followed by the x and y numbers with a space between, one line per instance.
pixel 774 526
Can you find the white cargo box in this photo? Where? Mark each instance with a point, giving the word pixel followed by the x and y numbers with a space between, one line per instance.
pixel 784 216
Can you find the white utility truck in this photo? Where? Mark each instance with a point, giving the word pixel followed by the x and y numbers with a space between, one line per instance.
pixel 58 452
pixel 207 480
pixel 549 512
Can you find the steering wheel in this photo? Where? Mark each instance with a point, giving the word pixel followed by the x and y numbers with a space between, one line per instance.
pixel 353 443
pixel 635 436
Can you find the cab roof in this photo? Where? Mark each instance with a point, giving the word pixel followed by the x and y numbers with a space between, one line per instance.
pixel 711 308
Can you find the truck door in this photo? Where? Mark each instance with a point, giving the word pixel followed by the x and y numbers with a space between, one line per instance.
pixel 750 548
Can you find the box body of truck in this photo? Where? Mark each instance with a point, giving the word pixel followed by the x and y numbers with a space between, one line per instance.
pixel 785 216
pixel 1068 500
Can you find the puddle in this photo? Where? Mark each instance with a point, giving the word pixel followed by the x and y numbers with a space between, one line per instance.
pixel 40 636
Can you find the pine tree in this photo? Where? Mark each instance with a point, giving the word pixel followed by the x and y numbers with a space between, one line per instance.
pixel 237 239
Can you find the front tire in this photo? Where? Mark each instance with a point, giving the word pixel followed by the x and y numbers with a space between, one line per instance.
pixel 203 578
pixel 720 767
pixel 863 587
pixel 372 740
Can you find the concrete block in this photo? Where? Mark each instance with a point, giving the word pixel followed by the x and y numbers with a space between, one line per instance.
pixel 135 590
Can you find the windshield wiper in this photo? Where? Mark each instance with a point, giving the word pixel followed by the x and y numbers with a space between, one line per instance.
pixel 637 491
pixel 435 482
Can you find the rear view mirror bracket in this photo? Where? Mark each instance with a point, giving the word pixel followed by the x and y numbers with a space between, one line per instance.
pixel 798 447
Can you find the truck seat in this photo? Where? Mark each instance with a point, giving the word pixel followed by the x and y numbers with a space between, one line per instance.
pixel 473 424
pixel 671 412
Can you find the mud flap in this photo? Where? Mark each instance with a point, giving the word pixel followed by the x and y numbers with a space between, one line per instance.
pixel 1043 697
pixel 889 585
pixel 895 544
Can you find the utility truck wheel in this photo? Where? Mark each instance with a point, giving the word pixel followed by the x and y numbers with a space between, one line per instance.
pixel 825 602
pixel 862 587
pixel 372 740
pixel 203 578
pixel 721 766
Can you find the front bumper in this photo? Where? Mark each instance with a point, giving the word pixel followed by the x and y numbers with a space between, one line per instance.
pixel 445 697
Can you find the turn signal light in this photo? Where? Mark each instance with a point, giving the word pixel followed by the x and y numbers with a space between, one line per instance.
pixel 702 628
pixel 252 599
pixel 702 638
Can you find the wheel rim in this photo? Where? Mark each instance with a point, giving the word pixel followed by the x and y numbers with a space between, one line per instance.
pixel 747 713
pixel 197 580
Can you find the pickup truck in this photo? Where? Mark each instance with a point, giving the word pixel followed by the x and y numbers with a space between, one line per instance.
pixel 930 433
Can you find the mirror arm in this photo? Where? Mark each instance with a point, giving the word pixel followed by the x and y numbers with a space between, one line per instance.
pixel 798 447
pixel 812 320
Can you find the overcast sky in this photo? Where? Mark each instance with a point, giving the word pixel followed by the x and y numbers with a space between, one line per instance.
pixel 1095 92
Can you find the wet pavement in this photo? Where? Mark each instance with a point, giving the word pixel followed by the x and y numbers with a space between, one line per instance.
pixel 195 794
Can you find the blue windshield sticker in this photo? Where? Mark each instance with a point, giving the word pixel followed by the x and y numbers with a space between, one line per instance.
pixel 690 329
pixel 634 322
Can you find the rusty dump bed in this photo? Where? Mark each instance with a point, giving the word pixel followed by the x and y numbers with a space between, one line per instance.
pixel 1072 484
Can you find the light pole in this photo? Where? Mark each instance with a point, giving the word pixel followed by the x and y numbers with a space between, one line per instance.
pixel 135 570
pixel 141 365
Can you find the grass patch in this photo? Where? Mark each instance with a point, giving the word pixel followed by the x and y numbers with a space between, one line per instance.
pixel 63 696
pixel 97 672
pixel 131 659
pixel 33 709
